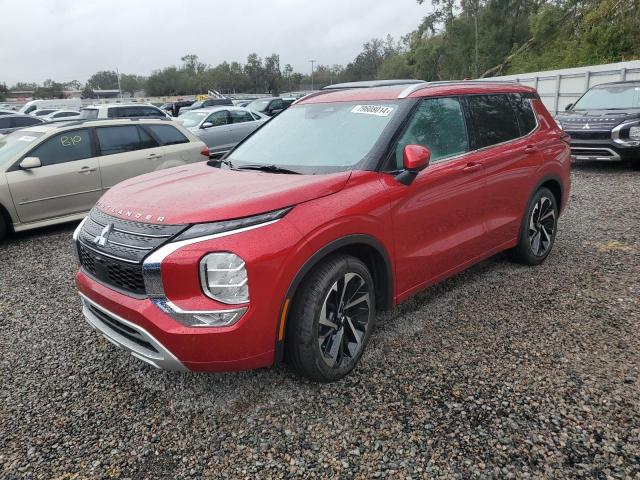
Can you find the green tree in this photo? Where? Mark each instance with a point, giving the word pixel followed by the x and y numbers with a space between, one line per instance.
pixel 103 80
pixel 3 91
pixel 49 89
pixel 130 83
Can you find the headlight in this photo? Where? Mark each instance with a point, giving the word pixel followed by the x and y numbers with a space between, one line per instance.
pixel 207 229
pixel 224 278
pixel 634 133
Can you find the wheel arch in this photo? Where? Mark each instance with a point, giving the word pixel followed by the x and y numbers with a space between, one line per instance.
pixel 364 247
pixel 6 216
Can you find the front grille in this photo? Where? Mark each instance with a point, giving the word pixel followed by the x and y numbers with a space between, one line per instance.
pixel 586 135
pixel 112 249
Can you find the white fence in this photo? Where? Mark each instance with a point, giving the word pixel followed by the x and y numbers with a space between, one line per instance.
pixel 558 88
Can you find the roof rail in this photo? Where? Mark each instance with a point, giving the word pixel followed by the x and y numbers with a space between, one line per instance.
pixel 414 88
pixel 372 84
pixel 82 121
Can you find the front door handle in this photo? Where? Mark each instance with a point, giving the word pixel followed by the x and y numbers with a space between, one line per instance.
pixel 530 149
pixel 472 167
pixel 87 170
pixel 154 156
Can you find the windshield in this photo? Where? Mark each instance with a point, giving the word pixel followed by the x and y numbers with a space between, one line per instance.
pixel 614 97
pixel 197 104
pixel 89 113
pixel 192 119
pixel 314 138
pixel 259 105
pixel 15 143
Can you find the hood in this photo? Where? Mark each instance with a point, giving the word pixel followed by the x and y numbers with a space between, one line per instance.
pixel 595 119
pixel 199 193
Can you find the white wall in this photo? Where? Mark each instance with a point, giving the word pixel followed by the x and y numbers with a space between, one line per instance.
pixel 557 88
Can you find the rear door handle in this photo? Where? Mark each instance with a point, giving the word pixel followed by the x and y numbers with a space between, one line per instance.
pixel 472 167
pixel 153 156
pixel 530 149
pixel 87 170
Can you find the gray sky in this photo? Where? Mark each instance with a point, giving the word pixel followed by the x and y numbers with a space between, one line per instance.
pixel 72 39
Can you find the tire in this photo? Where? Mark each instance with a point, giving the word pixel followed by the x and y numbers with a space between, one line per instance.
pixel 3 228
pixel 538 230
pixel 327 349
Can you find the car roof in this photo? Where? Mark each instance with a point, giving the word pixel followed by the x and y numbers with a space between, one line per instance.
pixel 217 108
pixel 107 105
pixel 416 90
pixel 92 122
pixel 626 82
pixel 371 84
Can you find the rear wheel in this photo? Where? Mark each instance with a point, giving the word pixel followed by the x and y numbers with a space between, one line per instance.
pixel 331 319
pixel 538 231
pixel 3 227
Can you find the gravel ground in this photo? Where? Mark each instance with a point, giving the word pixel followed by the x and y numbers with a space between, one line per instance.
pixel 503 371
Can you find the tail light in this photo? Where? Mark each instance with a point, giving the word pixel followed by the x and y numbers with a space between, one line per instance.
pixel 205 152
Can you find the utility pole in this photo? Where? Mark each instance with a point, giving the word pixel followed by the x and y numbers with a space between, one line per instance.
pixel 312 63
pixel 119 89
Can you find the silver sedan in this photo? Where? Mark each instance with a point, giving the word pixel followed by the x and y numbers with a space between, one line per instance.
pixel 221 128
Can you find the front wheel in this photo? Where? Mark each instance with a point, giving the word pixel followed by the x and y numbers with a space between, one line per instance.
pixel 331 319
pixel 538 230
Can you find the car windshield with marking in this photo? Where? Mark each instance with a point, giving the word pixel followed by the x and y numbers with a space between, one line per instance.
pixel 613 97
pixel 318 138
pixel 192 119
pixel 15 143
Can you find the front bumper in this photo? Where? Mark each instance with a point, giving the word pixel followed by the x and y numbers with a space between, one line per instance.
pixel 129 336
pixel 603 150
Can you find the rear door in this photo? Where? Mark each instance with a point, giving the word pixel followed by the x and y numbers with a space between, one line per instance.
pixel 504 127
pixel 178 149
pixel 438 220
pixel 126 151
pixel 242 124
pixel 68 181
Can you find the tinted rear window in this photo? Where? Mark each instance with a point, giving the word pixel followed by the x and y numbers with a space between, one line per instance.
pixel 25 121
pixel 123 139
pixel 167 134
pixel 89 113
pixel 493 118
pixel 525 113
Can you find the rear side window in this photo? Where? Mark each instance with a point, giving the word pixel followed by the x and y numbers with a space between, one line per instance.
pixel 493 118
pixel 525 113
pixel 238 116
pixel 64 147
pixel 65 114
pixel 167 134
pixel 123 139
pixel 437 124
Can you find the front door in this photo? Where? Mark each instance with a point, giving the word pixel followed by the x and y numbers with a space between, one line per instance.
pixel 68 181
pixel 438 220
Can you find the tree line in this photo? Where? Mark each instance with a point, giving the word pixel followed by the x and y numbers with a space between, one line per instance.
pixel 456 39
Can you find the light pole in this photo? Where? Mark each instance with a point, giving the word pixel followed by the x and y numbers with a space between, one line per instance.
pixel 312 63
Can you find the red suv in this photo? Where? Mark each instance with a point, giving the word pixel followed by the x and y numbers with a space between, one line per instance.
pixel 347 203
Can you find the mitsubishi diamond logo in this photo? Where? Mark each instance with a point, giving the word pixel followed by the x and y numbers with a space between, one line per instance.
pixel 586 126
pixel 101 239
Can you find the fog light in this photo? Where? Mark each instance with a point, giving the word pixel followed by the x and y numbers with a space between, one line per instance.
pixel 634 133
pixel 224 278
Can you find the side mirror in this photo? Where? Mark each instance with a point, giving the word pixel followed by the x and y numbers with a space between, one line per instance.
pixel 30 162
pixel 206 125
pixel 568 107
pixel 414 159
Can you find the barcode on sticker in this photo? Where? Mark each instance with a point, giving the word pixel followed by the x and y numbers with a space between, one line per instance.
pixel 378 110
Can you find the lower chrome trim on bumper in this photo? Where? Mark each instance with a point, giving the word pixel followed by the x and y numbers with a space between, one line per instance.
pixel 129 336
pixel 595 153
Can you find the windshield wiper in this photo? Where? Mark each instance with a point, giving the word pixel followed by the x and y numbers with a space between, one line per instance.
pixel 216 162
pixel 267 168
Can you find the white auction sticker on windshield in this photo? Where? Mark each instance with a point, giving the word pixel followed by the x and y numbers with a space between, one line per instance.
pixel 378 110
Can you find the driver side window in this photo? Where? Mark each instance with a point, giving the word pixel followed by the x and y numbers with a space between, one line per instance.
pixel 437 124
pixel 217 118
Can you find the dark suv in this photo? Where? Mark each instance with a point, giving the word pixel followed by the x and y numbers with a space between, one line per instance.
pixel 604 123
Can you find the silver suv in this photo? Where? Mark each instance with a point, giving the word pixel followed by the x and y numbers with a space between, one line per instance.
pixel 122 110
pixel 54 173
